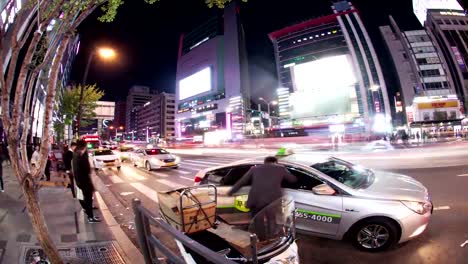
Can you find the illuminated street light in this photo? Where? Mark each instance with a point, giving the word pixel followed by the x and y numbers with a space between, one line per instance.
pixel 104 53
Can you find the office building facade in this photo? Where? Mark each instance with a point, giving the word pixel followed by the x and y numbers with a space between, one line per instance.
pixel 156 118
pixel 449 29
pixel 427 91
pixel 212 83
pixel 137 96
pixel 120 114
pixel 329 75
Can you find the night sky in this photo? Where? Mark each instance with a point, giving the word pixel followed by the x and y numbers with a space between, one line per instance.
pixel 146 38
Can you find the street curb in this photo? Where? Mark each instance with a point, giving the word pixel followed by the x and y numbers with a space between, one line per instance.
pixel 130 253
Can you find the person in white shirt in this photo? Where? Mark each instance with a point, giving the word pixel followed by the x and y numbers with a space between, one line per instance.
pixel 35 159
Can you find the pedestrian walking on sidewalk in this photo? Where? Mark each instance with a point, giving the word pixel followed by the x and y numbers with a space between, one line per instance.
pixel 82 174
pixel 35 159
pixel 6 153
pixel 67 161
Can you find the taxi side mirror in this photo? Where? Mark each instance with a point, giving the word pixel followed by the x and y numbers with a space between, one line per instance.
pixel 323 189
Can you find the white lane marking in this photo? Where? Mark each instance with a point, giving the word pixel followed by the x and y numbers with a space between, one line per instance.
pixel 135 177
pixel 170 184
pixel 159 174
pixel 188 165
pixel 464 243
pixel 148 192
pixel 126 193
pixel 186 178
pixel 183 171
pixel 442 208
pixel 115 179
pixel 463 175
pixel 201 162
pixel 131 174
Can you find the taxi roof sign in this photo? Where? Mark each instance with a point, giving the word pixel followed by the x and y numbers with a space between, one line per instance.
pixel 284 152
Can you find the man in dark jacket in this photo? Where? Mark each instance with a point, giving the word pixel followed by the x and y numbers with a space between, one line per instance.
pixel 67 162
pixel 82 174
pixel 265 188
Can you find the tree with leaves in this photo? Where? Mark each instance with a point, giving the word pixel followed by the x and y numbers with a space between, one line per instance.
pixel 71 103
pixel 42 52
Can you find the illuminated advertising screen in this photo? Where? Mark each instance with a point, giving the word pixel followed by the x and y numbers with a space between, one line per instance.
pixel 420 7
pixel 195 84
pixel 323 87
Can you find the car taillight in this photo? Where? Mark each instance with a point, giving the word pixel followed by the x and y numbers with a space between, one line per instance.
pixel 197 179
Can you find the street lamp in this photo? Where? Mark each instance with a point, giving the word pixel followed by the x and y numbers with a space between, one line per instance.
pixel 116 129
pixel 268 108
pixel 104 53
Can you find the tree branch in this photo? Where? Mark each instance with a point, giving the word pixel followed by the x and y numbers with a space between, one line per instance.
pixel 51 90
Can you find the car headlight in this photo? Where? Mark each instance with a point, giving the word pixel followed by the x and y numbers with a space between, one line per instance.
pixel 418 207
pixel 99 160
pixel 177 159
pixel 156 161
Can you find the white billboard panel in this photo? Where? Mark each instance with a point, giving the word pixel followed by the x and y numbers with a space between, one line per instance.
pixel 195 84
pixel 420 7
pixel 323 87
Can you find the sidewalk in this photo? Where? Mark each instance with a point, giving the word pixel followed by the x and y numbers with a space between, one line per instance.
pixel 77 240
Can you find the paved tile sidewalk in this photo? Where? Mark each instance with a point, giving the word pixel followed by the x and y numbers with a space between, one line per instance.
pixel 65 220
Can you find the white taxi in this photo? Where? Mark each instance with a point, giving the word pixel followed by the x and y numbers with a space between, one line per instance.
pixel 105 158
pixel 154 158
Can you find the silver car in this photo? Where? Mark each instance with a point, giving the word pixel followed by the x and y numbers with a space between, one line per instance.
pixel 337 199
pixel 154 158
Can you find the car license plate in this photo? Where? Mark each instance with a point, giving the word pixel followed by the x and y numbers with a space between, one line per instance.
pixel 110 164
pixel 170 164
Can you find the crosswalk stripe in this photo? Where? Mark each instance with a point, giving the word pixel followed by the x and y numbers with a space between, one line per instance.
pixel 160 174
pixel 170 184
pixel 183 171
pixel 186 178
pixel 135 177
pixel 202 162
pixel 148 192
pixel 188 165
pixel 115 179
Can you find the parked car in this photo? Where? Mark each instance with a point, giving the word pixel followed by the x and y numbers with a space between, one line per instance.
pixel 337 199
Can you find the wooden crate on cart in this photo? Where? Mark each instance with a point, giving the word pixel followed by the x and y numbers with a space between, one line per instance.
pixel 189 210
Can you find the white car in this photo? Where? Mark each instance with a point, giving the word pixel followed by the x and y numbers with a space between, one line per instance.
pixel 154 158
pixel 105 158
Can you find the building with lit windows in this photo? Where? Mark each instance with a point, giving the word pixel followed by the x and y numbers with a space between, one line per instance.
pixel 449 29
pixel 329 75
pixel 429 97
pixel 212 83
pixel 137 96
pixel 156 118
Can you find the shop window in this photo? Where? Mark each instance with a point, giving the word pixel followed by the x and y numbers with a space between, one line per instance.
pixel 453 115
pixel 426 117
pixel 440 115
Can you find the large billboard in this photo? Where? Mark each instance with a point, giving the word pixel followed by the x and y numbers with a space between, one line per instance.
pixel 195 84
pixel 323 87
pixel 420 7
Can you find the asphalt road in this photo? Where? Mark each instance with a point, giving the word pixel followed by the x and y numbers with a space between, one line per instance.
pixel 442 169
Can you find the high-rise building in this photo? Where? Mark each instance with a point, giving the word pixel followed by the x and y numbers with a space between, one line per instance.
pixel 420 7
pixel 156 118
pixel 329 75
pixel 449 28
pixel 427 91
pixel 137 96
pixel 120 113
pixel 212 84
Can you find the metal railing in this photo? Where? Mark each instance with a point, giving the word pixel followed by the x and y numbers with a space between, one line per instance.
pixel 150 244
